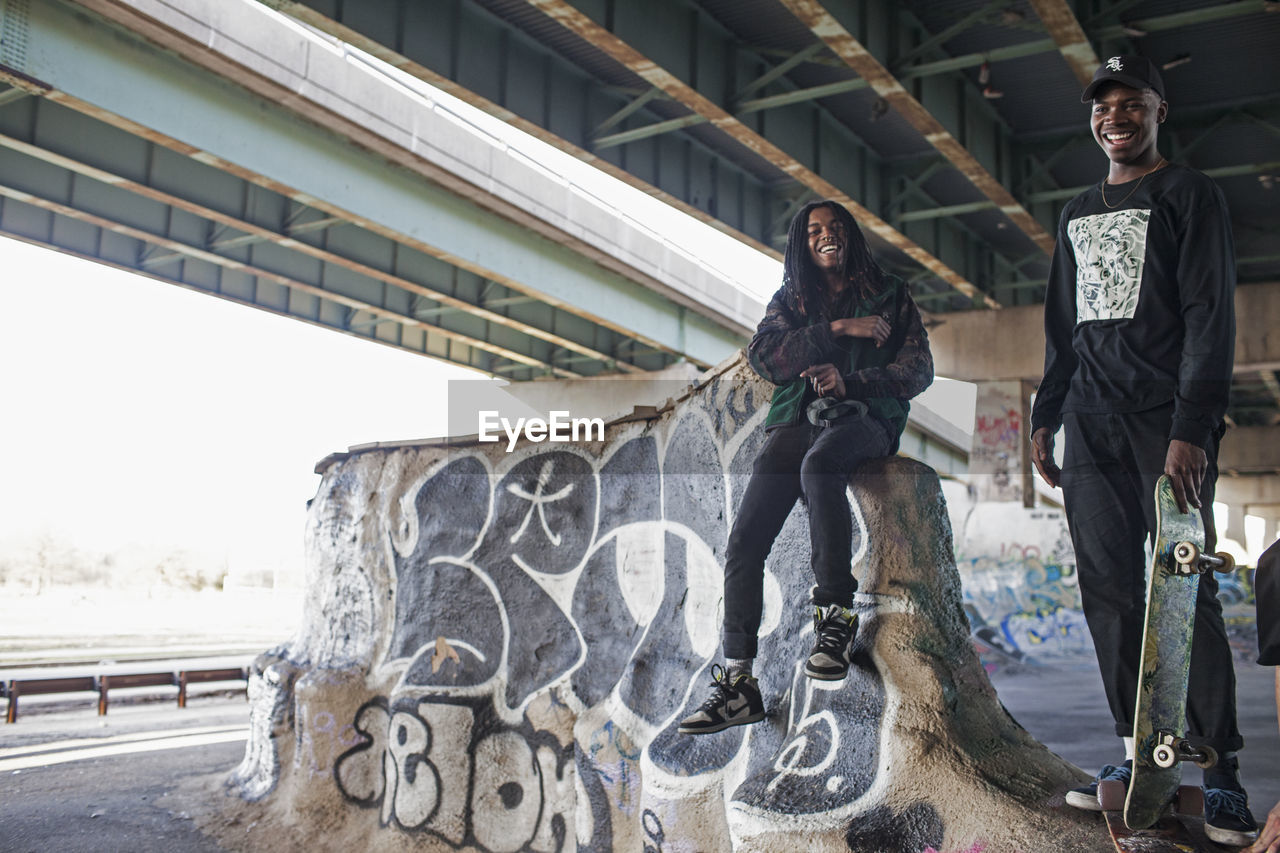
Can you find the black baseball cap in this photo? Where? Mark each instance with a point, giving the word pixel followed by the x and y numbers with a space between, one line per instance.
pixel 1136 72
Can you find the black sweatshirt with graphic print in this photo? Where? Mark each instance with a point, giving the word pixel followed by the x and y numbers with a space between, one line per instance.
pixel 1140 308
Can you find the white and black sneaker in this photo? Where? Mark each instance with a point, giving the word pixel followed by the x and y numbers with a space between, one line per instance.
pixel 1227 819
pixel 734 701
pixel 1086 796
pixel 835 627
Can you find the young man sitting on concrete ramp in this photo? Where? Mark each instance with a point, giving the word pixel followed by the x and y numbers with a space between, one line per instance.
pixel 843 342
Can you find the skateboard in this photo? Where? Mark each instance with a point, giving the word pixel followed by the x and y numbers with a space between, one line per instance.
pixel 1166 835
pixel 1177 561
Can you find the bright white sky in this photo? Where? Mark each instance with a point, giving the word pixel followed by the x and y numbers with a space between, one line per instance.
pixel 139 412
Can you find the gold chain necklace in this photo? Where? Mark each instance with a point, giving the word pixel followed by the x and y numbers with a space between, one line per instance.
pixel 1103 186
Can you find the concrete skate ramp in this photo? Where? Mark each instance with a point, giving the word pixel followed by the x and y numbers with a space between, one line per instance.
pixel 497 648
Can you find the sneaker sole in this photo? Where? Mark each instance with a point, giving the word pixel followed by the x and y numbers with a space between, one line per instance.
pixel 1230 837
pixel 819 675
pixel 1088 802
pixel 719 727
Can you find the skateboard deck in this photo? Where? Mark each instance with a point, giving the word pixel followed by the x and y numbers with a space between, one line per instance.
pixel 1161 712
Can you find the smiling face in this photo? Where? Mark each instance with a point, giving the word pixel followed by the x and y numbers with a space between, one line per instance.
pixel 828 241
pixel 1124 123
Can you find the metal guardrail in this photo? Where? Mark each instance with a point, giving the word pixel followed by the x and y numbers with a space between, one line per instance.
pixel 102 684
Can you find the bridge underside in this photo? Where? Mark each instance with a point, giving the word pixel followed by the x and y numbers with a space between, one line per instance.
pixel 116 150
pixel 954 131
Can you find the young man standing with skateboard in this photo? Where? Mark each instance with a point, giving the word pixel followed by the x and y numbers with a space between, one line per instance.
pixel 845 346
pixel 1140 337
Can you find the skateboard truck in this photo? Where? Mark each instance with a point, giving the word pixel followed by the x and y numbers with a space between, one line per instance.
pixel 1190 560
pixel 1171 749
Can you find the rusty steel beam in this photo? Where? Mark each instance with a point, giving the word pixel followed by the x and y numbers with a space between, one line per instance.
pixel 1066 31
pixel 602 39
pixel 842 43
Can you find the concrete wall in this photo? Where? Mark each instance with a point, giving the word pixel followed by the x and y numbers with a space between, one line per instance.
pixel 497 648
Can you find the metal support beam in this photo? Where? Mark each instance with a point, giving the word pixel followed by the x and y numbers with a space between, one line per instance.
pixel 826 27
pixel 942 37
pixel 11 94
pixel 798 96
pixel 1030 48
pixel 943 212
pixel 564 14
pixel 1067 33
pixel 656 129
pixel 914 184
pixel 625 112
pixel 778 70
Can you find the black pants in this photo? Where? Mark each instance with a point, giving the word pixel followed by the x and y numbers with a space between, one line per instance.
pixel 1109 472
pixel 795 460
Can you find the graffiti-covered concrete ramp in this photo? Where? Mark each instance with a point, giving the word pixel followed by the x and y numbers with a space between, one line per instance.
pixel 497 648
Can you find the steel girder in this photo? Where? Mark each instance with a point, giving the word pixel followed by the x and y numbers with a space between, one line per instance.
pixel 669 91
pixel 99 176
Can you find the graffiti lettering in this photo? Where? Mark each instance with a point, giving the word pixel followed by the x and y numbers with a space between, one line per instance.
pixel 537 500
pixel 521 796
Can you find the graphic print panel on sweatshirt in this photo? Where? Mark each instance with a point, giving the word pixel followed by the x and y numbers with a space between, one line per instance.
pixel 1109 250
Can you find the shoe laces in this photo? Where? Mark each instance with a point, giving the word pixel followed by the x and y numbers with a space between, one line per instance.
pixel 833 631
pixel 721 689
pixel 1224 802
pixel 1121 772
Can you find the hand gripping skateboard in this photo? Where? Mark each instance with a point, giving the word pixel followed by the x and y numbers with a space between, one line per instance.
pixel 1177 561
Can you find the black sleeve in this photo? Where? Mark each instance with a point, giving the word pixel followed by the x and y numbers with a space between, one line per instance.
pixel 1059 323
pixel 784 346
pixel 1206 288
pixel 911 370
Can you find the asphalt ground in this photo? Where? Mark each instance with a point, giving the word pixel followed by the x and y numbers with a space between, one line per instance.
pixel 74 782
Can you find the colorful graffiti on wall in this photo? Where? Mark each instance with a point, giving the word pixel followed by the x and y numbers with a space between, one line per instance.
pixel 1021 595
pixel 578 585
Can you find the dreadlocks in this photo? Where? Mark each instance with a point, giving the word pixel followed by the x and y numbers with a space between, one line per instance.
pixel 799 275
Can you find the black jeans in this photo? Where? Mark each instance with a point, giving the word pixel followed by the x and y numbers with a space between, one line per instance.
pixel 795 460
pixel 1110 467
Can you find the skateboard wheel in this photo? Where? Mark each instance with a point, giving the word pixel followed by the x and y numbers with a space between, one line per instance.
pixel 1111 794
pixel 1228 563
pixel 1189 801
pixel 1207 756
pixel 1187 553
pixel 1164 756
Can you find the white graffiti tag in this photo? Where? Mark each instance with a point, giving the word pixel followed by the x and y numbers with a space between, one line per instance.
pixel 537 500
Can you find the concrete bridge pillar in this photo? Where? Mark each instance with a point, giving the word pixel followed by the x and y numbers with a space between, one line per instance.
pixel 1235 523
pixel 999 461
